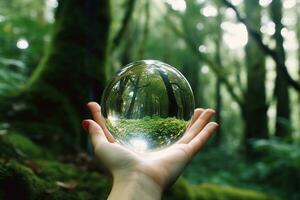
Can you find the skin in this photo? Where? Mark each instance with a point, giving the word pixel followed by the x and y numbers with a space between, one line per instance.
pixel 146 175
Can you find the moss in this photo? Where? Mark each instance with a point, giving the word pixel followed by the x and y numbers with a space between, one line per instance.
pixel 90 185
pixel 19 182
pixel 157 131
pixel 206 191
pixel 226 193
pixel 180 190
pixel 37 179
pixel 53 170
pixel 15 145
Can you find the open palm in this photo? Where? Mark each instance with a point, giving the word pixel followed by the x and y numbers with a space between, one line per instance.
pixel 163 166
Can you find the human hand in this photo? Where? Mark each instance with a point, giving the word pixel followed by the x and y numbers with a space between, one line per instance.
pixel 137 175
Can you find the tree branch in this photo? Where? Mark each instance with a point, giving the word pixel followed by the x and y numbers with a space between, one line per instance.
pixel 205 59
pixel 280 63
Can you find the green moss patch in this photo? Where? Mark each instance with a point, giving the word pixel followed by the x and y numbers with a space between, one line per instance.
pixel 206 191
pixel 155 130
pixel 50 180
pixel 15 145
pixel 27 171
pixel 19 182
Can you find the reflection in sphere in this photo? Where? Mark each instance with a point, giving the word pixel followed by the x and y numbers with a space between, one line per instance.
pixel 147 105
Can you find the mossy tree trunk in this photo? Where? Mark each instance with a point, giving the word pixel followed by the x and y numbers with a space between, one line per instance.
pixel 71 74
pixel 255 114
pixel 281 86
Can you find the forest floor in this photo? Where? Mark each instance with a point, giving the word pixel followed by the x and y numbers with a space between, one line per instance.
pixel 267 173
pixel 30 171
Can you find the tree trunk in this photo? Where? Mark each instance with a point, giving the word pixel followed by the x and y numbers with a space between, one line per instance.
pixel 172 103
pixel 218 135
pixel 218 97
pixel 119 99
pixel 136 88
pixel 281 86
pixel 71 74
pixel 190 69
pixel 255 97
pixel 298 38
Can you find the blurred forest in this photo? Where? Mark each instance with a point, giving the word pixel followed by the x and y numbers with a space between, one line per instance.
pixel 241 57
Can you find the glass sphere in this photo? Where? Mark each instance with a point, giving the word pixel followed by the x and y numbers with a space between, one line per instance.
pixel 147 105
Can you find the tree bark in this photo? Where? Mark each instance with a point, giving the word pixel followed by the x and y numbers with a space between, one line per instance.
pixel 71 74
pixel 255 113
pixel 281 86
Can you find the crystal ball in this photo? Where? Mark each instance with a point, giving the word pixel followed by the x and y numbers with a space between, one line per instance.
pixel 147 106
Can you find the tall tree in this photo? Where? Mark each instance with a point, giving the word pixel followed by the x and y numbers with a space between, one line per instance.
pixel 298 38
pixel 192 66
pixel 52 103
pixel 281 86
pixel 218 59
pixel 255 111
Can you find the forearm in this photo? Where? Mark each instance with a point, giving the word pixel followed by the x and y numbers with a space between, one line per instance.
pixel 134 187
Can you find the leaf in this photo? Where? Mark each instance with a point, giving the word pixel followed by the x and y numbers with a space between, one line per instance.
pixel 67 184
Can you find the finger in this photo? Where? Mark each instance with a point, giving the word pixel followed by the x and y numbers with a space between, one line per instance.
pixel 198 125
pixel 96 112
pixel 197 113
pixel 197 142
pixel 95 132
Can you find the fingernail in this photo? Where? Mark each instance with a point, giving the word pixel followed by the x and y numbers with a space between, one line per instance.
pixel 85 124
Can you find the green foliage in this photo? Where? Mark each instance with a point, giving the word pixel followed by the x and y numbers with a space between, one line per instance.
pixel 278 167
pixel 275 170
pixel 21 20
pixel 12 75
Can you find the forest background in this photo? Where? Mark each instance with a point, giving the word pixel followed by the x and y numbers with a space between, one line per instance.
pixel 241 57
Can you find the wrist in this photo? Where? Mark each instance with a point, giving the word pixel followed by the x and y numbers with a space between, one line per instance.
pixel 134 185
